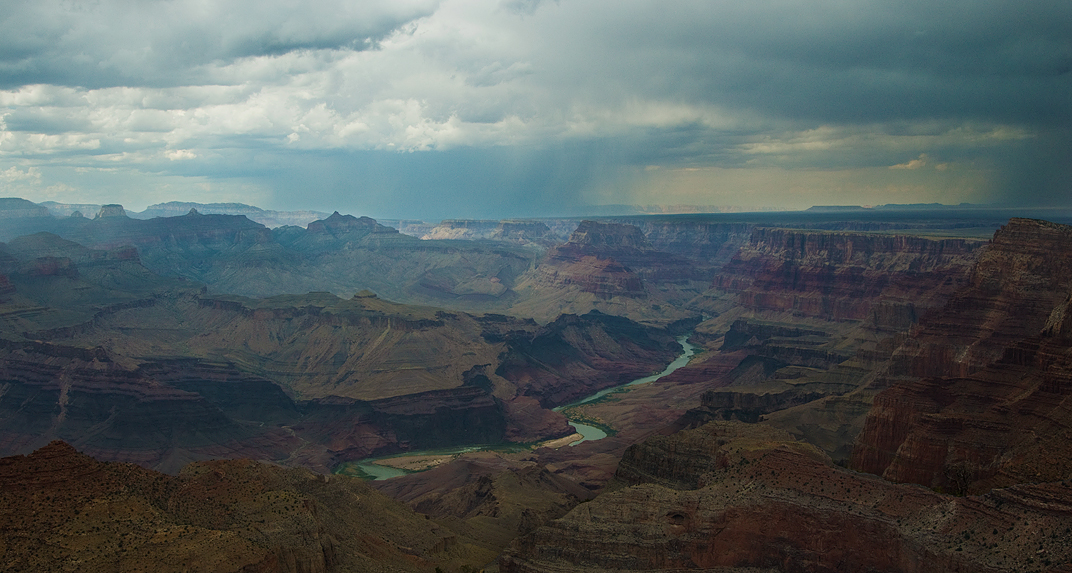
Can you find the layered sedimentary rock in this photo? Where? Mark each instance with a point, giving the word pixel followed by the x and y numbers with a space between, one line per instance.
pixel 730 497
pixel 132 367
pixel 340 254
pixel 61 510
pixel 609 267
pixel 840 276
pixel 977 396
pixel 82 396
pixel 1020 279
pixel 710 244
pixel 815 314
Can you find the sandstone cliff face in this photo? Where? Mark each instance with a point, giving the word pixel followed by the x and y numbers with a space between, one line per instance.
pixel 710 244
pixel 61 510
pixel 1021 277
pixel 999 426
pixel 975 398
pixel 738 497
pixel 841 276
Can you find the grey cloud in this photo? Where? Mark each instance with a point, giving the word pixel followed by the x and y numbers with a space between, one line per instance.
pixel 871 61
pixel 145 42
pixel 48 121
pixel 886 80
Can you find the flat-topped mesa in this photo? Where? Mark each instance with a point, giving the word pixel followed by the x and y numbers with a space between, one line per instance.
pixel 842 276
pixel 521 232
pixel 595 237
pixel 338 224
pixel 112 210
pixel 465 229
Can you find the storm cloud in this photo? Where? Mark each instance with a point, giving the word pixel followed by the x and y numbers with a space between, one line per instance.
pixel 486 108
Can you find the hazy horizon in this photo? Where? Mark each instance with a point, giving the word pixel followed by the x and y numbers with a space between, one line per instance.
pixel 524 108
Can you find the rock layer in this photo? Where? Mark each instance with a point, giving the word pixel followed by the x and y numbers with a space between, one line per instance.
pixel 729 497
pixel 840 276
pixel 975 396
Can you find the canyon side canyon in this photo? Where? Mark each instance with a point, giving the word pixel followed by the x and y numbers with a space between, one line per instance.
pixel 872 390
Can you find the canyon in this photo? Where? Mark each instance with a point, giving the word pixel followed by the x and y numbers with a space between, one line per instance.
pixel 874 390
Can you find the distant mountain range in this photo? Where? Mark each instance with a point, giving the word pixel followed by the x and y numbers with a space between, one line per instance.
pixel 266 217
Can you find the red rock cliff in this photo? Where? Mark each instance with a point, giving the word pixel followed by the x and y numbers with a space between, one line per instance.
pixel 978 396
pixel 841 276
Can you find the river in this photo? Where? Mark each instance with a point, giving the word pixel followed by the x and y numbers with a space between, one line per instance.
pixel 594 433
pixel 371 468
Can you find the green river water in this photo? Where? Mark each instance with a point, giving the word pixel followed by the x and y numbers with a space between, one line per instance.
pixel 369 468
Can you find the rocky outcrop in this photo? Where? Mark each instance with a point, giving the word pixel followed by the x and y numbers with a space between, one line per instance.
pixel 112 210
pixel 59 507
pixel 728 497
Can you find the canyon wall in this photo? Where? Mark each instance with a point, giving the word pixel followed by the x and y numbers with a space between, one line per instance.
pixel 976 398
pixel 841 276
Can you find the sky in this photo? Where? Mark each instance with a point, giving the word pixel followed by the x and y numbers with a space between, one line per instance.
pixel 512 108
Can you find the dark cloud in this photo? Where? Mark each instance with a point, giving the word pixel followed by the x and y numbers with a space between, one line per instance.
pixel 179 42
